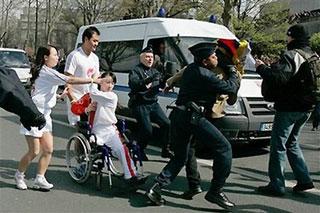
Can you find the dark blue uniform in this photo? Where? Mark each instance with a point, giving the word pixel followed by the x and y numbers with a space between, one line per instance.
pixel 144 104
pixel 201 86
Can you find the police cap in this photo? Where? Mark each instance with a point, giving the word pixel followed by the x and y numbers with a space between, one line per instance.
pixel 203 50
pixel 147 49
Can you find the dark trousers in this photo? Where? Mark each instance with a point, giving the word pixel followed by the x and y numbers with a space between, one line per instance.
pixel 192 173
pixel 145 114
pixel 316 116
pixel 205 132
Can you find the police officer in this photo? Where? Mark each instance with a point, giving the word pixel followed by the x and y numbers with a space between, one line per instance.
pixel 230 53
pixel 198 90
pixel 144 82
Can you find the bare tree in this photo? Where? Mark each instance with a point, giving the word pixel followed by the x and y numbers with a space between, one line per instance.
pixel 30 2
pixel 7 6
pixel 148 8
pixel 94 10
pixel 53 13
pixel 85 12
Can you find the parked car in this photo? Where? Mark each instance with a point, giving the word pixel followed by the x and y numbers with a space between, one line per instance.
pixel 17 60
pixel 250 119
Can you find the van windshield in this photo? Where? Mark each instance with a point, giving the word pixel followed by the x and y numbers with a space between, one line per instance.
pixel 14 59
pixel 185 42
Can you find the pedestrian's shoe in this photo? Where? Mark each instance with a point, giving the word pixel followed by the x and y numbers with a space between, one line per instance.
pixel 40 183
pixel 188 195
pixel 314 129
pixel 154 195
pixel 143 156
pixel 302 187
pixel 137 180
pixel 166 153
pixel 270 191
pixel 220 199
pixel 20 183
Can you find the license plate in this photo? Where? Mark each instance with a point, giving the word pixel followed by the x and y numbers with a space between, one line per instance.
pixel 266 126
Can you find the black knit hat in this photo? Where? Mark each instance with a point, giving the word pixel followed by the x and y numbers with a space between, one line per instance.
pixel 147 49
pixel 203 50
pixel 298 32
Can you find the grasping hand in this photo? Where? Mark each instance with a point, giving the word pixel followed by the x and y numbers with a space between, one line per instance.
pixel 167 88
pixel 92 107
pixel 258 63
pixel 148 86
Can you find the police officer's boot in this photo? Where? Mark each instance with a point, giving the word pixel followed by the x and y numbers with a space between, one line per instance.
pixel 154 195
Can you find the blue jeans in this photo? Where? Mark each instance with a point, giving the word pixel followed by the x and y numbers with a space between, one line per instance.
pixel 287 127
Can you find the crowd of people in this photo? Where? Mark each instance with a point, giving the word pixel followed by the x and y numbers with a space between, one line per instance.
pixel 212 79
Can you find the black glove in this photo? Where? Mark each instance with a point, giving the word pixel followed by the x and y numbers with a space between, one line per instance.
pixel 39 122
pixel 147 80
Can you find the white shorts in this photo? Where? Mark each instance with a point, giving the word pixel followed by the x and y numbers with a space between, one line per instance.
pixel 35 132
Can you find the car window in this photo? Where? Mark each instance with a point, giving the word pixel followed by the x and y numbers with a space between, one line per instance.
pixel 120 56
pixel 168 57
pixel 14 59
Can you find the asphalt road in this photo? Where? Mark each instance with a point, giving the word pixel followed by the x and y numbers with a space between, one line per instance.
pixel 249 170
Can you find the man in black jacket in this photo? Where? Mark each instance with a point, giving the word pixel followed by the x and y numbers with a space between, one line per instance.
pixel 199 87
pixel 14 98
pixel 293 103
pixel 145 83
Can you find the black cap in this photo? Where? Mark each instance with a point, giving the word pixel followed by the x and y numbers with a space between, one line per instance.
pixel 298 32
pixel 147 49
pixel 203 50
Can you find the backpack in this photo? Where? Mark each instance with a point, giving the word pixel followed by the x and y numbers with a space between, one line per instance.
pixel 313 61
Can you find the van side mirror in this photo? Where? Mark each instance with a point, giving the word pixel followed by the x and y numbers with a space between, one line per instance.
pixel 171 68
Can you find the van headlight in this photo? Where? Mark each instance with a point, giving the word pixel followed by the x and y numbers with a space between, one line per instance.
pixel 235 109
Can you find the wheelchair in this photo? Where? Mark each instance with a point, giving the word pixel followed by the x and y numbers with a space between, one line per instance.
pixel 84 156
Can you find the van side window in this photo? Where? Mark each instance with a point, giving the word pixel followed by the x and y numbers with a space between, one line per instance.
pixel 120 56
pixel 167 57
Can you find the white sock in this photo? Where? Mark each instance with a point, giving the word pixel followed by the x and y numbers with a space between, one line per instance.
pixel 39 176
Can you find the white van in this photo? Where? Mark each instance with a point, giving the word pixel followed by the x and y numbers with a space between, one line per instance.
pixel 250 119
pixel 17 60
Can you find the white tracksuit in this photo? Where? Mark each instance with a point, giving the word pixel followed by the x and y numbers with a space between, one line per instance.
pixel 105 130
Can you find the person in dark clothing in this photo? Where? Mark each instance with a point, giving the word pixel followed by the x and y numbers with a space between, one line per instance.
pixel 229 53
pixel 293 108
pixel 199 87
pixel 14 98
pixel 145 83
pixel 316 117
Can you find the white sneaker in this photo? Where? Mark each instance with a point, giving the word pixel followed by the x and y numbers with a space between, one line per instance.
pixel 19 178
pixel 40 182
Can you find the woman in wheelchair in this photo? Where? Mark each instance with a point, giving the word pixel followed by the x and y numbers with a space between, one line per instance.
pixel 100 106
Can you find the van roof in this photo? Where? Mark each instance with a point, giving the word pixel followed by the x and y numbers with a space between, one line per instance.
pixel 135 29
pixel 11 49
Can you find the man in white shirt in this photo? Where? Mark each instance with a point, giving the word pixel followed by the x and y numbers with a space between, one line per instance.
pixel 83 62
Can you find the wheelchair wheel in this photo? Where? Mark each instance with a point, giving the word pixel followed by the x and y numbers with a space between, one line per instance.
pixel 115 167
pixel 78 158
